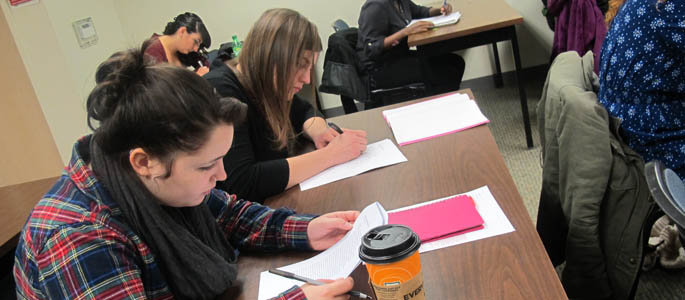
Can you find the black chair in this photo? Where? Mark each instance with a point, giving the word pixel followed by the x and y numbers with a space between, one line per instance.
pixel 344 75
pixel 668 192
pixel 340 24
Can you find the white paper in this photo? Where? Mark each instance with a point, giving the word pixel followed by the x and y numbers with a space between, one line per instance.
pixel 495 222
pixel 440 20
pixel 432 118
pixel 378 154
pixel 338 261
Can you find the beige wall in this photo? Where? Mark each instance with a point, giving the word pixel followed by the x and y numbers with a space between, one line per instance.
pixel 27 150
pixel 61 73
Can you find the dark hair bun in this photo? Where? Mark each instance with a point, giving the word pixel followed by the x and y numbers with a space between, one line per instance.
pixel 113 78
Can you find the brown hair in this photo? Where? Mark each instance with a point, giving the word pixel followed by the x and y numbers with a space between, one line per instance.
pixel 268 63
pixel 614 5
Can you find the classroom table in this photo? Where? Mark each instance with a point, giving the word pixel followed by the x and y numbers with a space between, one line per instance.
pixel 16 202
pixel 509 266
pixel 482 22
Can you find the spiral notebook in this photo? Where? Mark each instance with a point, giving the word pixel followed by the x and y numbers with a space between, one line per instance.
pixel 438 220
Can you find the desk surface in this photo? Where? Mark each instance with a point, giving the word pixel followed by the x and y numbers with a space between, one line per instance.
pixel 16 202
pixel 476 16
pixel 509 266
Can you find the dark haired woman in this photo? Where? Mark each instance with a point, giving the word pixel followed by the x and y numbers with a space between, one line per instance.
pixel 384 52
pixel 181 42
pixel 135 214
pixel 274 64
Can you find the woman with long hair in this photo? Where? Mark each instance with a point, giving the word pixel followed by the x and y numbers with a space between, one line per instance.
pixel 135 214
pixel 274 64
pixel 181 43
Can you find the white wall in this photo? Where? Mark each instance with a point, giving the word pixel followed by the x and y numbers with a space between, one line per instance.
pixel 61 72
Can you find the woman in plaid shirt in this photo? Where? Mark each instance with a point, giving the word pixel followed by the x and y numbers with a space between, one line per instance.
pixel 135 213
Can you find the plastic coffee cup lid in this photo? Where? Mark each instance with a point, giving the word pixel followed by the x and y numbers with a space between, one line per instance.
pixel 388 243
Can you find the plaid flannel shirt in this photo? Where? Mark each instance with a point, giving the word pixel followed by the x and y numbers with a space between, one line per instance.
pixel 76 244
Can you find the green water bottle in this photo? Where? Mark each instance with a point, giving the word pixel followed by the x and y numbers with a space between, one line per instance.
pixel 237 45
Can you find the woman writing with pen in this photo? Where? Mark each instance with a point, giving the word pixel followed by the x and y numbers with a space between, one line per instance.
pixel 274 64
pixel 385 55
pixel 181 42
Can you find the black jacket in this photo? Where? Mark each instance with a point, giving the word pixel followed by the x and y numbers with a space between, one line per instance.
pixel 342 73
pixel 379 19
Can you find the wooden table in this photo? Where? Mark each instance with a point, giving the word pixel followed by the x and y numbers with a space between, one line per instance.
pixel 509 266
pixel 16 202
pixel 482 22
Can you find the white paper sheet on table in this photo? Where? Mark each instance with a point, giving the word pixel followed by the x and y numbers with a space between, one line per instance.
pixel 338 261
pixel 440 20
pixel 495 222
pixel 440 116
pixel 377 155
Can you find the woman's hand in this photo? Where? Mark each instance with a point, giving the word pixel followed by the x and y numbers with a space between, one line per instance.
pixel 446 9
pixel 418 27
pixel 333 289
pixel 324 138
pixel 346 146
pixel 328 229
pixel 202 70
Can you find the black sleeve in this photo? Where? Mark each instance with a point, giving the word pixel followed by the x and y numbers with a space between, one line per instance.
pixel 248 178
pixel 418 11
pixel 373 28
pixel 603 6
pixel 221 79
pixel 301 111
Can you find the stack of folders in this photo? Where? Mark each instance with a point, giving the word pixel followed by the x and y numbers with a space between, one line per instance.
pixel 428 119
pixel 442 219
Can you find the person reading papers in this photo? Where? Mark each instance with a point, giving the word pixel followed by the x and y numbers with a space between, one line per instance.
pixel 135 214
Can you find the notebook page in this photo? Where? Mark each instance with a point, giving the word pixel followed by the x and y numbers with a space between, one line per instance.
pixel 377 155
pixel 440 20
pixel 338 261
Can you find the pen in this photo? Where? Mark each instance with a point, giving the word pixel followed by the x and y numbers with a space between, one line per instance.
pixel 444 5
pixel 200 63
pixel 335 127
pixel 314 282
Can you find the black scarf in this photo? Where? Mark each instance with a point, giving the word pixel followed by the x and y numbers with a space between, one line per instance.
pixel 192 252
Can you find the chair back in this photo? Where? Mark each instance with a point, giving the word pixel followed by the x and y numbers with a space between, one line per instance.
pixel 340 24
pixel 668 191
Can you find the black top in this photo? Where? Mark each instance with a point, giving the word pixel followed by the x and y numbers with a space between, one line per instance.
pixel 255 169
pixel 379 19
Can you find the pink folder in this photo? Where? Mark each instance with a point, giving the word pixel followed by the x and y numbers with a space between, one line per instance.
pixel 453 216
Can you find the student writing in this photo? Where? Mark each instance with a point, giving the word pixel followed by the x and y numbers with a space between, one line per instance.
pixel 274 64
